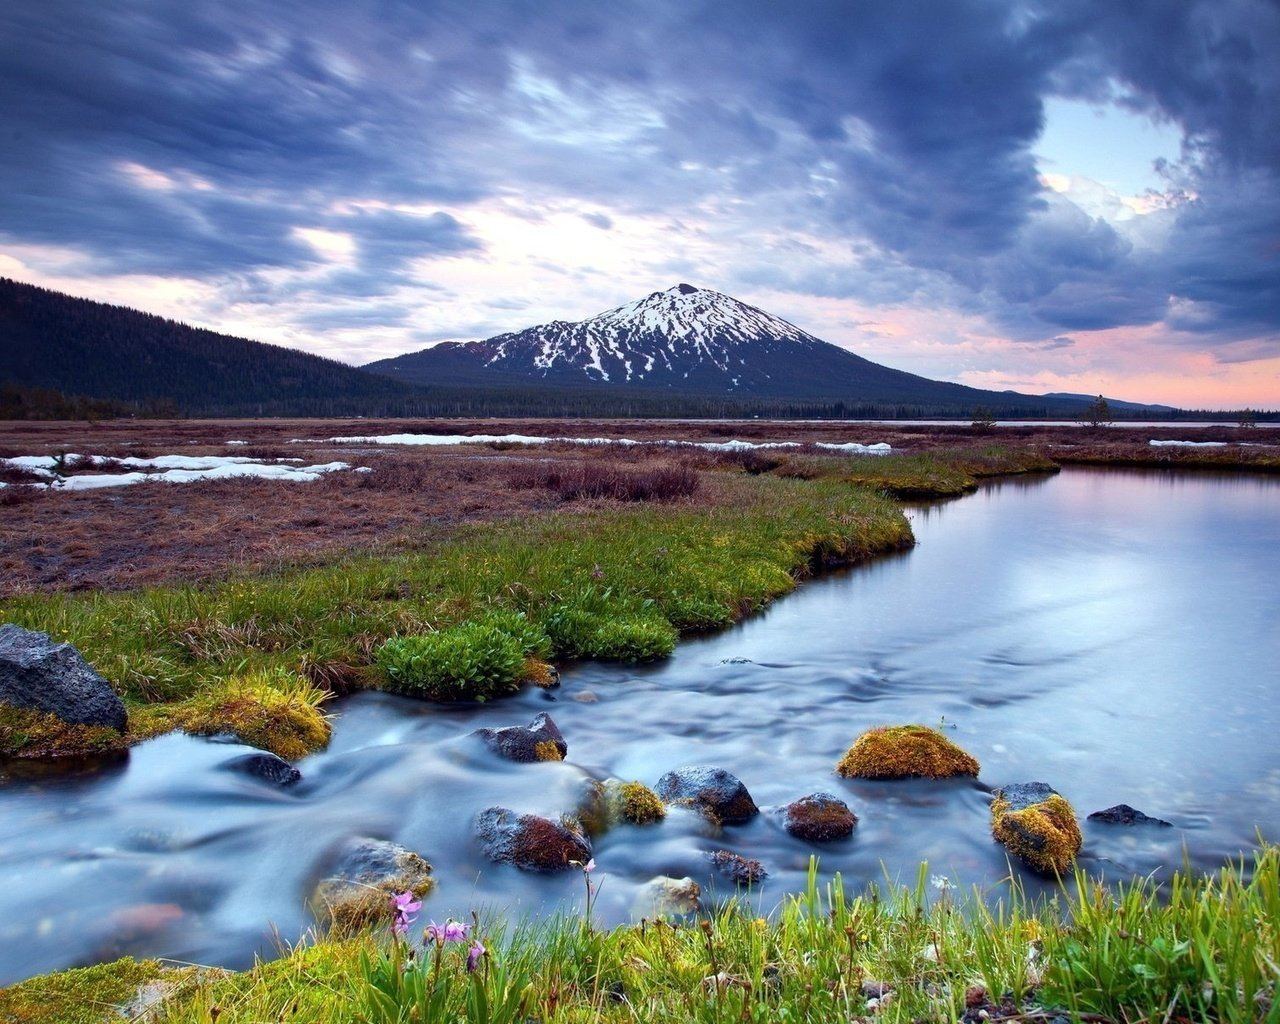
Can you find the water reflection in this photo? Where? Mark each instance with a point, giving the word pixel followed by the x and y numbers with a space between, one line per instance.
pixel 1111 633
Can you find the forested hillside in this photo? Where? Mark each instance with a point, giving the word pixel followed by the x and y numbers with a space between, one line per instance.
pixel 76 347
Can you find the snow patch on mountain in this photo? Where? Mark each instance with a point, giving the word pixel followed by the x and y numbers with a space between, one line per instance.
pixel 681 329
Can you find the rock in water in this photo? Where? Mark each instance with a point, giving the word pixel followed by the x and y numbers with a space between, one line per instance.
pixel 365 875
pixel 819 818
pixel 739 870
pixel 905 752
pixel 530 842
pixel 711 790
pixel 1123 814
pixel 266 766
pixel 39 674
pixel 540 740
pixel 1034 822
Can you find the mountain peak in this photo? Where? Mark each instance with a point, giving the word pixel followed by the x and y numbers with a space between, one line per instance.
pixel 684 289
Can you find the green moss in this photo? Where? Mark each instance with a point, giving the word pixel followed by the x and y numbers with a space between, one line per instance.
pixel 84 995
pixel 634 802
pixel 1046 836
pixel 28 733
pixel 905 751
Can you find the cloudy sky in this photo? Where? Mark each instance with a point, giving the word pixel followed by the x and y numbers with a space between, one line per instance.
pixel 1059 195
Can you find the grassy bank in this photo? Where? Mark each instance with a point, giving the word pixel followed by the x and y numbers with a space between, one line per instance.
pixel 1202 949
pixel 258 655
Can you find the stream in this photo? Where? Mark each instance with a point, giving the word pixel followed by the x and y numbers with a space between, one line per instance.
pixel 1113 633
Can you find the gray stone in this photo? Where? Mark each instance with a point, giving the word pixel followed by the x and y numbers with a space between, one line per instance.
pixel 36 673
pixel 1021 795
pixel 266 766
pixel 1123 814
pixel 530 842
pixel 540 740
pixel 711 790
pixel 363 864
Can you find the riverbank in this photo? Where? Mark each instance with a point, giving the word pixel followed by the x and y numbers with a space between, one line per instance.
pixel 1204 949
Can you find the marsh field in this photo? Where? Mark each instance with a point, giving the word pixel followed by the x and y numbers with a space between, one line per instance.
pixel 1042 624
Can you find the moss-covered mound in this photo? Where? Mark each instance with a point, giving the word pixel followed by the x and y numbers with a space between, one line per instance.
pixel 904 752
pixel 30 733
pixel 1037 825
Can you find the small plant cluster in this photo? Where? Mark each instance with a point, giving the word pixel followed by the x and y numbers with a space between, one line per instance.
pixel 476 660
pixel 591 480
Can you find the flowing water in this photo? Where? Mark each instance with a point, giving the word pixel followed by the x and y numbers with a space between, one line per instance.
pixel 1115 634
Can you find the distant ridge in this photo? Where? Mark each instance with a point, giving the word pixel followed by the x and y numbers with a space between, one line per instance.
pixel 79 347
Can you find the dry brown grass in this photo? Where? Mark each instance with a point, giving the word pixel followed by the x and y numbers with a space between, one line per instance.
pixel 127 537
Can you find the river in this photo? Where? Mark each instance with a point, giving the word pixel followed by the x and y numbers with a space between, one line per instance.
pixel 1113 633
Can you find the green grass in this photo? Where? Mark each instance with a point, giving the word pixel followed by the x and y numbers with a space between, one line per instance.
pixel 1202 949
pixel 619 584
pixel 938 474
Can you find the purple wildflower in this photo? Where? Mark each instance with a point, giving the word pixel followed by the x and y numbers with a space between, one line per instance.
pixel 404 906
pixel 450 931
pixel 473 956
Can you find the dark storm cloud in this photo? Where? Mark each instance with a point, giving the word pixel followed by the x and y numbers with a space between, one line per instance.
pixel 904 124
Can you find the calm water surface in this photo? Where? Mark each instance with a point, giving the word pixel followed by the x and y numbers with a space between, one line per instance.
pixel 1112 633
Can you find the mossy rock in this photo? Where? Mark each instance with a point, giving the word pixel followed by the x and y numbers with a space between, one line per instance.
pixel 905 752
pixel 633 802
pixel 367 873
pixel 1037 825
pixel 272 710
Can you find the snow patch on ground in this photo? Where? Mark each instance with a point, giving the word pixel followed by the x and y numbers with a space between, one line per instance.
pixel 715 446
pixel 174 469
pixel 1187 444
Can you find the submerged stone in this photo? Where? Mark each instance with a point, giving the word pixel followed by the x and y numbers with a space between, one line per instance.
pixel 739 870
pixel 1123 814
pixel 266 766
pixel 664 896
pixel 1033 822
pixel 905 752
pixel 713 791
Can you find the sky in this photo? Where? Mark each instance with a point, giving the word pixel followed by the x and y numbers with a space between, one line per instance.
pixel 1063 195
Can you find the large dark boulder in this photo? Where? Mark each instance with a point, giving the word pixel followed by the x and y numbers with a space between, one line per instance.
pixel 1123 814
pixel 819 818
pixel 540 740
pixel 39 674
pixel 530 842
pixel 713 791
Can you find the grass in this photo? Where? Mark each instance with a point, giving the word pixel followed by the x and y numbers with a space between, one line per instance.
pixel 1201 949
pixel 619 583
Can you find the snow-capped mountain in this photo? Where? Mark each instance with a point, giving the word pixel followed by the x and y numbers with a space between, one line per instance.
pixel 684 340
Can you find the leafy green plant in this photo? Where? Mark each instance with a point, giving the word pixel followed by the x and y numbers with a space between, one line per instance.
pixel 472 661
